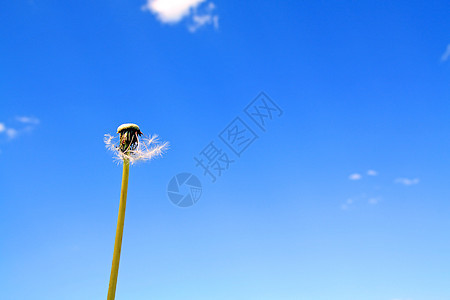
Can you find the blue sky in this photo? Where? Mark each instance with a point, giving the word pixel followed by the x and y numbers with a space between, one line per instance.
pixel 344 196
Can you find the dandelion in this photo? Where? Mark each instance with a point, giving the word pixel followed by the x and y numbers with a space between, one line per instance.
pixel 131 147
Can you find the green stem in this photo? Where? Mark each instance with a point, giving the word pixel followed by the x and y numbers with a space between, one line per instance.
pixel 119 231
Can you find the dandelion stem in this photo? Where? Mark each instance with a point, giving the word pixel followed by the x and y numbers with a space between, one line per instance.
pixel 119 231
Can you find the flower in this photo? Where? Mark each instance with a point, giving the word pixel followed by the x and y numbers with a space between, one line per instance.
pixel 132 145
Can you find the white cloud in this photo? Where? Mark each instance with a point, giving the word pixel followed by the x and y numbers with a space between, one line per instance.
pixel 406 181
pixel 372 173
pixel 199 20
pixel 28 120
pixel 173 11
pixel 347 204
pixel 446 54
pixel 27 125
pixel 355 176
pixel 374 201
pixel 11 133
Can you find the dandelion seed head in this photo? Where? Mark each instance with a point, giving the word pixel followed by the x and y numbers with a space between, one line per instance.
pixel 133 146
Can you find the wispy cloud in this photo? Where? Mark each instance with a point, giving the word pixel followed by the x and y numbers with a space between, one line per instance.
pixel 372 173
pixel 197 12
pixel 372 191
pixel 14 130
pixel 8 131
pixel 207 17
pixel 28 120
pixel 446 55
pixel 407 181
pixel 358 200
pixel 347 204
pixel 355 176
pixel 374 200
pixel 11 132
